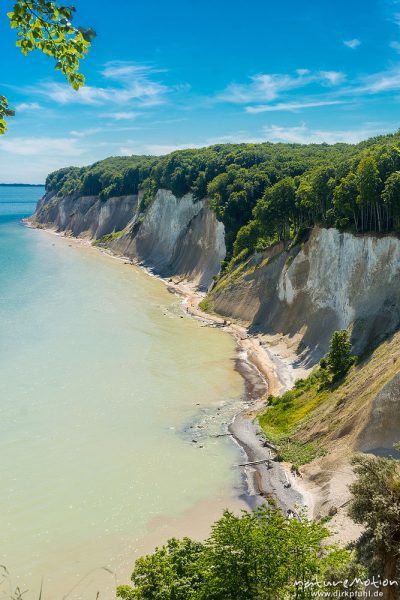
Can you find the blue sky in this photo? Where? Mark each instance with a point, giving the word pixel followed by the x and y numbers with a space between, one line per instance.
pixel 168 75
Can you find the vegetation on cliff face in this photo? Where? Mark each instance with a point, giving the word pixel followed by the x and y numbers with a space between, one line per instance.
pixel 323 414
pixel 339 359
pixel 306 421
pixel 262 193
pixel 284 414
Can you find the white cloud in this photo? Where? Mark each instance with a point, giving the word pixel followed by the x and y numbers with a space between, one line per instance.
pixel 260 93
pixel 31 159
pixel 237 137
pixel 85 132
pixel 268 87
pixel 332 77
pixel 125 151
pixel 40 146
pixel 134 83
pixel 396 18
pixel 301 134
pixel 122 116
pixel 353 44
pixel 160 149
pixel 395 46
pixel 290 106
pixel 328 89
pixel 63 94
pixel 141 147
pixel 385 81
pixel 27 106
pixel 264 87
pixel 119 70
pixel 140 90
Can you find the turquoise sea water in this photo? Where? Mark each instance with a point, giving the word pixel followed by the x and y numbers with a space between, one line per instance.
pixel 103 381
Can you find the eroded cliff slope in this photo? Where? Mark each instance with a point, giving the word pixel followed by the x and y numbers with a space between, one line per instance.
pixel 85 216
pixel 359 413
pixel 331 281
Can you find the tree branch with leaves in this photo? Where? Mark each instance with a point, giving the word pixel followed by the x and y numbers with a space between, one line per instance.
pixel 46 26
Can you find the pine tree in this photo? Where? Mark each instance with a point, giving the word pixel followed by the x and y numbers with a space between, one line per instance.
pixel 339 358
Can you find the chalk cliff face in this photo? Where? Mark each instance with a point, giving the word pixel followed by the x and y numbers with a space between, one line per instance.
pixel 333 281
pixel 85 216
pixel 174 237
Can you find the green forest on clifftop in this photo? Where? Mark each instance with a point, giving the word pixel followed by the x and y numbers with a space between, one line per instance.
pixel 262 193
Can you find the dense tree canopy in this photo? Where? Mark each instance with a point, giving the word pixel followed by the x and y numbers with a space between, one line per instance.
pixel 263 193
pixel 46 26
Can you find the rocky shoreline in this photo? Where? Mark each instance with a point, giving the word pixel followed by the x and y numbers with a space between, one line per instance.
pixel 263 372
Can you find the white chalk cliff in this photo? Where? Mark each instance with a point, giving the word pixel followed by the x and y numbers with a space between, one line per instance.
pixel 172 237
pixel 331 281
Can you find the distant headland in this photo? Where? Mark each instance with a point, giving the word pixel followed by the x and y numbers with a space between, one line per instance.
pixel 21 184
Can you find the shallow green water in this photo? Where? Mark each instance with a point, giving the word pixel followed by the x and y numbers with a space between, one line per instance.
pixel 100 382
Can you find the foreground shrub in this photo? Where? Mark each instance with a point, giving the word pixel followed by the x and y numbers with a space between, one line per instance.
pixel 258 555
